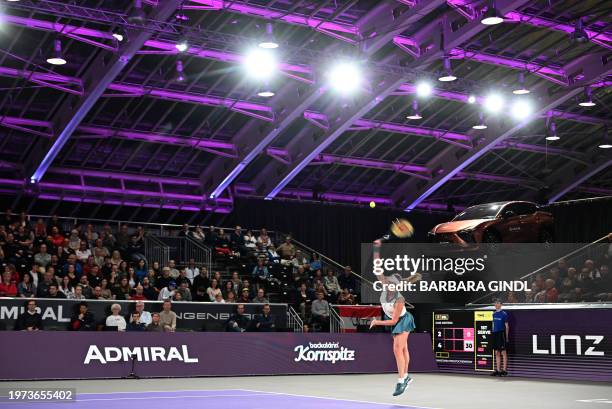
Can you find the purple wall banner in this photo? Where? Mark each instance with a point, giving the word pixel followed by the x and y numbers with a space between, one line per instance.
pixel 88 355
pixel 560 343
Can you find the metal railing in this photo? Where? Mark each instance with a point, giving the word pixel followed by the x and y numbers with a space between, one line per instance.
pixel 335 321
pixel 181 249
pixel 155 250
pixel 591 250
pixel 294 321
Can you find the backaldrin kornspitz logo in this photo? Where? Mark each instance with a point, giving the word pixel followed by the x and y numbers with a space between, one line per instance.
pixel 323 352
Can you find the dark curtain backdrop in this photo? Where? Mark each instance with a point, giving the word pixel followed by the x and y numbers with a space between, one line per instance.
pixel 582 221
pixel 335 230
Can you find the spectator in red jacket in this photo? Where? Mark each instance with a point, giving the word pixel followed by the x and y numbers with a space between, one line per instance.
pixel 8 287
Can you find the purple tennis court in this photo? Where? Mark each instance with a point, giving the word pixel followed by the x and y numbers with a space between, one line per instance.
pixel 230 398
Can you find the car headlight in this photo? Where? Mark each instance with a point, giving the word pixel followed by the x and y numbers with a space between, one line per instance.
pixel 466 235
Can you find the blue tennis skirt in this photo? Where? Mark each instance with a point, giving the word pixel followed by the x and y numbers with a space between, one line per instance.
pixel 405 324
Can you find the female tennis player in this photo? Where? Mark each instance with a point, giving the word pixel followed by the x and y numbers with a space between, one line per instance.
pixel 394 307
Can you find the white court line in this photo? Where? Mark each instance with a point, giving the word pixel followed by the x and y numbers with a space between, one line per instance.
pixel 157 391
pixel 599 400
pixel 340 399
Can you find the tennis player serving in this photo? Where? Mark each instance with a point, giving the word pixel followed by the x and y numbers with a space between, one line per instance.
pixel 401 321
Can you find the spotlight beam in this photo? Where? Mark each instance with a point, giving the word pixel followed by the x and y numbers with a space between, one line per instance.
pixel 564 187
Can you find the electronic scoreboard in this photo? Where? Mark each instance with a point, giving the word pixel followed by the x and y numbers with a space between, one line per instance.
pixel 462 340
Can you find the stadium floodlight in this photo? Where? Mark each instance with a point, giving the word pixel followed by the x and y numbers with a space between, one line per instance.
pixel 587 100
pixel 414 113
pixel 266 91
pixel 180 76
pixel 520 88
pixel 424 89
pixel 182 45
pixel 551 132
pixel 56 57
pixel 521 109
pixel 606 140
pixel 481 123
pixel 491 16
pixel 447 75
pixel 345 77
pixel 268 42
pixel 471 99
pixel 260 64
pixel 494 103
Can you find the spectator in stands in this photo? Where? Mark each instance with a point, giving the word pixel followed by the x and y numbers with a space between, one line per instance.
pixel 265 239
pixel 273 256
pixel 201 280
pixel 306 328
pixel 217 276
pixel 138 293
pixel 141 270
pixel 74 241
pixel 123 290
pixel 26 287
pixel 8 287
pixel 116 319
pixel 155 325
pixel 43 286
pixel 347 280
pixel 238 321
pixel 227 288
pixel 200 295
pixel 67 285
pixel 174 273
pixel 261 297
pixel 184 232
pixel 315 263
pixel 211 237
pixel 230 297
pixel 163 280
pixel 182 278
pixel 77 294
pixel 320 311
pixel 145 316
pixel 219 298
pixel 286 250
pixel 250 241
pixel 260 273
pixel 42 258
pixel 135 323
pixel 100 253
pixel 244 296
pixel 192 270
pixel 222 244
pixel 135 249
pixel 123 237
pixel 301 276
pixel 264 322
pixel 148 290
pixel 85 287
pixel 83 319
pixel 236 281
pixel 54 291
pixel 330 281
pixel 247 285
pixel 90 235
pixel 116 258
pixel 319 287
pixel 184 291
pixel 30 320
pixel 167 292
pixel 83 252
pixel 237 241
pixel 213 290
pixel 199 235
pixel 304 299
pixel 345 298
pixel 107 294
pixel 551 292
pixel 97 293
pixel 299 260
pixel 167 317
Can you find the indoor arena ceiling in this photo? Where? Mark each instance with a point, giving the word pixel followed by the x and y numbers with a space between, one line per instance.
pixel 137 122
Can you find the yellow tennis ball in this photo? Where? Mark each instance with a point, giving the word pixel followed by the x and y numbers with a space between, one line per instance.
pixel 372 204
pixel 402 228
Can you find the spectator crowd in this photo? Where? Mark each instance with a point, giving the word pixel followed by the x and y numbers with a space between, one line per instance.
pixel 44 259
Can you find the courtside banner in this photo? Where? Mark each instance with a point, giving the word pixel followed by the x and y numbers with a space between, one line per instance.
pixel 191 316
pixel 559 343
pixel 87 355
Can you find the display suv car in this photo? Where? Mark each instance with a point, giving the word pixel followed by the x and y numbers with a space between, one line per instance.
pixel 499 222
